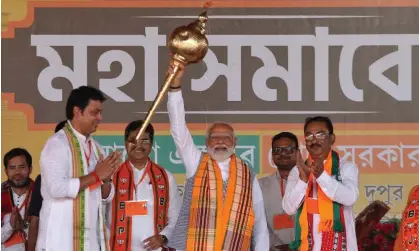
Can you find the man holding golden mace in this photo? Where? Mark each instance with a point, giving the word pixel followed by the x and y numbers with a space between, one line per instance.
pixel 223 205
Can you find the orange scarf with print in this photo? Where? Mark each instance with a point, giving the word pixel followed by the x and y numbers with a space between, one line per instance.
pixel 215 224
pixel 408 237
pixel 331 214
pixel 121 230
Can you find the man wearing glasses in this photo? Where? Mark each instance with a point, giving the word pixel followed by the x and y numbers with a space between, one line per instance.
pixel 321 193
pixel 223 205
pixel 280 224
pixel 147 202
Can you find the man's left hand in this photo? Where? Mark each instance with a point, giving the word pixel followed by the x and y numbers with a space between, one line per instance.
pixel 318 167
pixel 153 242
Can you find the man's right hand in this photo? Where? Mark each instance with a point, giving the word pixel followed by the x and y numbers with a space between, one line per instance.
pixel 177 80
pixel 302 168
pixel 105 168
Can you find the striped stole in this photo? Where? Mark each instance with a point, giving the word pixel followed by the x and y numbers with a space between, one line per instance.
pixel 79 204
pixel 121 229
pixel 332 222
pixel 214 224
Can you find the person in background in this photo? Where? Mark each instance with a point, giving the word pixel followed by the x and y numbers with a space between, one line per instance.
pixel 36 204
pixel 16 199
pixel 143 182
pixel 280 224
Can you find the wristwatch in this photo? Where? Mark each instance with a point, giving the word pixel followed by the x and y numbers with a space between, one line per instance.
pixel 164 238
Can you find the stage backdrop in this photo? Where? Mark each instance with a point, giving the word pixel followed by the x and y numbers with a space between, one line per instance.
pixel 270 65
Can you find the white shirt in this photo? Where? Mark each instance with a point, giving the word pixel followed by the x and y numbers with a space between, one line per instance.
pixel 57 184
pixel 7 230
pixel 191 156
pixel 345 193
pixel 143 226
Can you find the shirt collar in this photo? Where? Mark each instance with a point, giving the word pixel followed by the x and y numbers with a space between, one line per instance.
pixel 80 136
pixel 134 168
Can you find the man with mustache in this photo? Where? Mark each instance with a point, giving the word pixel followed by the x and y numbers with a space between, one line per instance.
pixel 76 179
pixel 321 193
pixel 15 199
pixel 223 205
pixel 142 183
pixel 280 224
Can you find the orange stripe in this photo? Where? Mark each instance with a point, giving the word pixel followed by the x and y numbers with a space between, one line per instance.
pixel 223 206
pixel 10 33
pixel 191 237
pixel 325 203
pixel 194 127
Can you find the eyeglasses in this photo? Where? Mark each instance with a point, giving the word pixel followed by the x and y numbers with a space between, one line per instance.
pixel 318 136
pixel 143 142
pixel 284 149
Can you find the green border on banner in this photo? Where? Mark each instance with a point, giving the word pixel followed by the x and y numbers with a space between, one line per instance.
pixel 164 150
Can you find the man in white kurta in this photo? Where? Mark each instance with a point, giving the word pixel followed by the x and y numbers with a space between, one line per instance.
pixel 146 175
pixel 143 226
pixel 59 188
pixel 319 139
pixel 191 157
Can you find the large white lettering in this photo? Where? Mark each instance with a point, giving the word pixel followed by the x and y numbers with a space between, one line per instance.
pixel 78 76
pixel 321 41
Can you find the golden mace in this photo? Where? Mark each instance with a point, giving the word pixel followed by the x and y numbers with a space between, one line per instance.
pixel 188 44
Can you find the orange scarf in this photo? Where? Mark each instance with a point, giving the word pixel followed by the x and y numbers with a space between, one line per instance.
pixel 407 239
pixel 331 213
pixel 215 224
pixel 124 191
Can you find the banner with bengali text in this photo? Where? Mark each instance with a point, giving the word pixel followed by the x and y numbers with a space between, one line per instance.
pixel 270 65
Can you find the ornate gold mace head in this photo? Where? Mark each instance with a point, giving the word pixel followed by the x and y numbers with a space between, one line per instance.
pixel 188 44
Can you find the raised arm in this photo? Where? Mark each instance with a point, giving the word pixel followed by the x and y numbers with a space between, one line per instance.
pixel 294 192
pixel 189 153
pixel 297 184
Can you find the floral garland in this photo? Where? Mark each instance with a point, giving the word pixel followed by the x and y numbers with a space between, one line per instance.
pixel 382 238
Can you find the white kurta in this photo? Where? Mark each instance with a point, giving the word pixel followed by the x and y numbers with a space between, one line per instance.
pixel 143 226
pixel 7 230
pixel 191 157
pixel 59 189
pixel 345 193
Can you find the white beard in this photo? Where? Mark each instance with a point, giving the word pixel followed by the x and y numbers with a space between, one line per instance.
pixel 220 156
